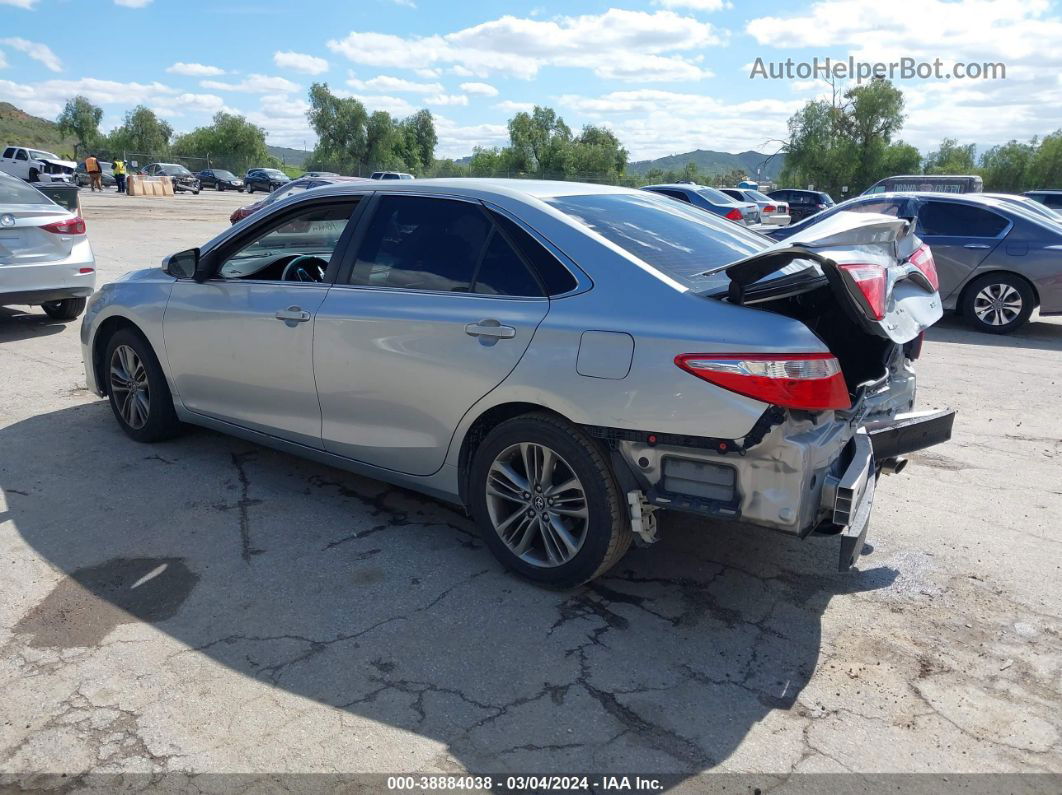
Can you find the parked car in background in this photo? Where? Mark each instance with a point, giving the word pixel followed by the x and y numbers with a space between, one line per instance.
pixel 289 189
pixel 35 165
pixel 45 256
pixel 319 174
pixel 452 348
pixel 710 199
pixel 83 180
pixel 1027 203
pixel 927 183
pixel 802 203
pixel 390 175
pixel 1048 198
pixel 772 211
pixel 220 179
pixel 265 179
pixel 996 260
pixel 183 179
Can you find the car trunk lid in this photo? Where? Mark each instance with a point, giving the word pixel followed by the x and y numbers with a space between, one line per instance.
pixel 24 241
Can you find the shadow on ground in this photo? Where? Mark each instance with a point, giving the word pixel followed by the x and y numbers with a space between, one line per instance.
pixel 25 322
pixel 1043 334
pixel 385 604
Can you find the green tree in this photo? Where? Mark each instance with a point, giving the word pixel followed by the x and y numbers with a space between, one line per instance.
pixel 900 158
pixel 1008 167
pixel 142 133
pixel 1045 169
pixel 539 142
pixel 420 138
pixel 230 142
pixel 489 162
pixel 951 158
pixel 81 120
pixel 340 124
pixel 871 116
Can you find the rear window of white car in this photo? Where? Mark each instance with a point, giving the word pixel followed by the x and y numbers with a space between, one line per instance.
pixel 681 241
pixel 15 191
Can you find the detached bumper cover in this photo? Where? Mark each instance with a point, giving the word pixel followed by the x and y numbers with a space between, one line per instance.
pixel 909 432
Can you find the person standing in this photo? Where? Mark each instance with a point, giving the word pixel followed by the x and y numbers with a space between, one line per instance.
pixel 92 168
pixel 119 175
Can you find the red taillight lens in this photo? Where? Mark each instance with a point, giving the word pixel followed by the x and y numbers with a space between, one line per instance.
pixel 923 260
pixel 733 215
pixel 870 279
pixel 770 208
pixel 73 226
pixel 809 381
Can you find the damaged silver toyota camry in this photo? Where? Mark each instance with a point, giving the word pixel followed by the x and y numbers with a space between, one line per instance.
pixel 564 360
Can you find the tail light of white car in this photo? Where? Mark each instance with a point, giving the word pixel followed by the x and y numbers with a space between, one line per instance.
pixel 733 215
pixel 922 259
pixel 808 381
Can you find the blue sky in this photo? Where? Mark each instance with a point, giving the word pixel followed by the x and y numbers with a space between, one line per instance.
pixel 667 76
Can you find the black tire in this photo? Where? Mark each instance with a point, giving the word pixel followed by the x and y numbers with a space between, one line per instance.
pixel 34 175
pixel 250 190
pixel 161 422
pixel 65 309
pixel 195 193
pixel 989 303
pixel 607 534
pixel 220 187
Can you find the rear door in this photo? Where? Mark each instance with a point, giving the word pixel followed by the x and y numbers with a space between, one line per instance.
pixel 961 235
pixel 434 311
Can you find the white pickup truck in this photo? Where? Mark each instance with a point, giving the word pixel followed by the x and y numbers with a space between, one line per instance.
pixel 35 165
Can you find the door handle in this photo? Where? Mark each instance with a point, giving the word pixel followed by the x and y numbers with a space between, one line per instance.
pixel 976 245
pixel 490 328
pixel 293 314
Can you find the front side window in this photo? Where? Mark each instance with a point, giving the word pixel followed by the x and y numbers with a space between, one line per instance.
pixel 21 155
pixel 295 248
pixel 959 220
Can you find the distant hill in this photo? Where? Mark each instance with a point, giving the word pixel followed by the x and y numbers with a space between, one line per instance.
pixel 289 156
pixel 18 127
pixel 715 163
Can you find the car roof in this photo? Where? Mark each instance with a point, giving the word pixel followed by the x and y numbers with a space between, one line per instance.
pixel 1043 190
pixel 521 189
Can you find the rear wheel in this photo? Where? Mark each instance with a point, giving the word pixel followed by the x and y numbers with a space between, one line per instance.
pixel 66 309
pixel 546 502
pixel 998 303
pixel 139 395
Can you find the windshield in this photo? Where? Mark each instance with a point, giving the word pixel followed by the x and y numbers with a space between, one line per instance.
pixel 224 174
pixel 175 171
pixel 37 154
pixel 679 240
pixel 15 191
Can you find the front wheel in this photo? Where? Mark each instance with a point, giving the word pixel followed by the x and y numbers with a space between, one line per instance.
pixel 136 386
pixel 546 502
pixel 220 187
pixel 65 309
pixel 998 303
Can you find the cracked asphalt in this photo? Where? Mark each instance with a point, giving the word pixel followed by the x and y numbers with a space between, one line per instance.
pixel 209 606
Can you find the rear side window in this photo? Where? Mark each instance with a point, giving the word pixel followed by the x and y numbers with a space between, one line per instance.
pixel 502 271
pixel 15 191
pixel 959 220
pixel 9 152
pixel 555 278
pixel 676 194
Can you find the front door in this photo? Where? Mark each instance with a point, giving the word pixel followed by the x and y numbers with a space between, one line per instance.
pixel 960 236
pixel 240 345
pixel 436 312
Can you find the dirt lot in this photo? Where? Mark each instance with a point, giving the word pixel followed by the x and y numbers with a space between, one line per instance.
pixel 287 617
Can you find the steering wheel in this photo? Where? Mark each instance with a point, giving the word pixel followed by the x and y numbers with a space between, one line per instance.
pixel 304 268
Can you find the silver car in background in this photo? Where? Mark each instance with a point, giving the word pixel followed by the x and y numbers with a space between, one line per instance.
pixel 562 359
pixel 45 256
pixel 711 200
pixel 772 211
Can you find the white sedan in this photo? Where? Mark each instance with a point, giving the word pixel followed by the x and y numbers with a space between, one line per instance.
pixel 45 256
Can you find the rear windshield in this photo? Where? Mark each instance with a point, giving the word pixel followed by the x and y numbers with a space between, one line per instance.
pixel 715 196
pixel 680 241
pixel 756 196
pixel 15 191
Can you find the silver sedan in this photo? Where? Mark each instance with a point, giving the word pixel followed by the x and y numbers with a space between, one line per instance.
pixel 562 359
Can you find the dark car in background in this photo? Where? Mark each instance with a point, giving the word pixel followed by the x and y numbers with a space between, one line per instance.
pixel 266 180
pixel 710 199
pixel 288 189
pixel 996 260
pixel 82 179
pixel 220 179
pixel 319 174
pixel 802 203
pixel 184 181
pixel 1049 198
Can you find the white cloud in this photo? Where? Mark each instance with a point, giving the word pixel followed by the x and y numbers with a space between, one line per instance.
pixel 515 107
pixel 132 3
pixel 194 69
pixel 19 3
pixel 37 51
pixel 3 60
pixel 300 62
pixel 254 84
pixel 394 85
pixel 428 74
pixel 406 3
pixel 446 99
pixel 695 5
pixel 396 106
pixel 521 46
pixel 456 140
pixel 481 89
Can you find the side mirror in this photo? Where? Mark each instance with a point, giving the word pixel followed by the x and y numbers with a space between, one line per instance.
pixel 183 264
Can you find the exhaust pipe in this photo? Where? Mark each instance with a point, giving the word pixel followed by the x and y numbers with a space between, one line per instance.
pixel 892 466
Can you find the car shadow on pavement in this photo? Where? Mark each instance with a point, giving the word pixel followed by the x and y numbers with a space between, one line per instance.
pixel 1039 334
pixel 386 605
pixel 23 323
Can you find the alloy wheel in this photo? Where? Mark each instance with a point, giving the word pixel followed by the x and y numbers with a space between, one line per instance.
pixel 537 504
pixel 129 385
pixel 997 304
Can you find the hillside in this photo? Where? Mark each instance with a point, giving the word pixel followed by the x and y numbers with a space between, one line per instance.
pixel 709 162
pixel 18 127
pixel 289 156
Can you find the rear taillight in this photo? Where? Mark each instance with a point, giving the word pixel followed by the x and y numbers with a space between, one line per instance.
pixel 770 208
pixel 923 260
pixel 870 279
pixel 809 381
pixel 733 215
pixel 72 226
